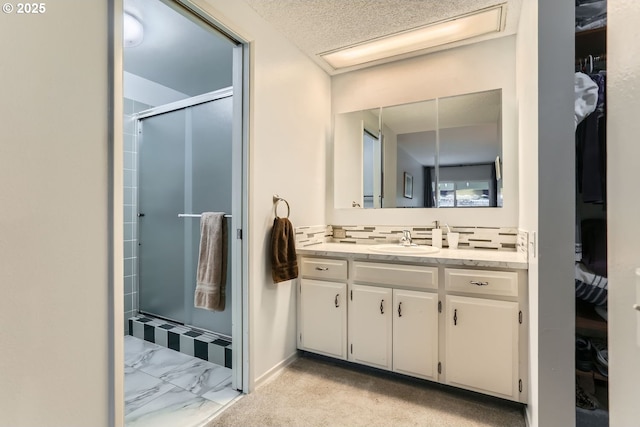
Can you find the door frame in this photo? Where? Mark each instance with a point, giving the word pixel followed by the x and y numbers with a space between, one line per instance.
pixel 240 183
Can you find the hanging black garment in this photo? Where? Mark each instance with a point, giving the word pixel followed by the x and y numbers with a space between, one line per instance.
pixel 591 158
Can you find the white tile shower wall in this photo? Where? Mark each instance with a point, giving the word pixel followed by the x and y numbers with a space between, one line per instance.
pixel 495 238
pixel 130 207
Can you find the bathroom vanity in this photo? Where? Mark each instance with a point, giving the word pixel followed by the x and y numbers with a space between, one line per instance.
pixel 457 317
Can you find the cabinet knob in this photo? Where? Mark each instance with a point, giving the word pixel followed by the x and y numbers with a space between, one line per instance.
pixel 322 268
pixel 382 307
pixel 336 301
pixel 455 317
pixel 477 283
pixel 400 309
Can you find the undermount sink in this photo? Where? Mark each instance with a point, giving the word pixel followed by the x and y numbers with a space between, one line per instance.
pixel 397 249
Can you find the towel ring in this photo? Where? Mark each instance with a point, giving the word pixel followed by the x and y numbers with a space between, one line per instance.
pixel 276 200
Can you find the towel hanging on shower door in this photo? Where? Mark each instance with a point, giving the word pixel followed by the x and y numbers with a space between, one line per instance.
pixel 212 262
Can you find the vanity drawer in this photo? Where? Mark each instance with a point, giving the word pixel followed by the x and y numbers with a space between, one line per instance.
pixel 503 283
pixel 416 276
pixel 321 268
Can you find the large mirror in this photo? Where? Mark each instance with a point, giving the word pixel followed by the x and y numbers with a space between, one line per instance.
pixel 442 152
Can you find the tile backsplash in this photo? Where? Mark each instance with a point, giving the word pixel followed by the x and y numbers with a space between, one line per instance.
pixel 312 235
pixel 493 238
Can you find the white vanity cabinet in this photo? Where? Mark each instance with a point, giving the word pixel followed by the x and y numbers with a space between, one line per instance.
pixel 482 332
pixel 464 327
pixel 322 307
pixel 394 328
pixel 370 325
pixel 415 333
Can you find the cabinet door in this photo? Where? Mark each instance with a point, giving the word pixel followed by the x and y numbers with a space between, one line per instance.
pixel 482 345
pixel 370 325
pixel 415 333
pixel 323 317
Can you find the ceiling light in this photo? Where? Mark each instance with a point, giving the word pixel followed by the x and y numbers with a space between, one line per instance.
pixel 133 33
pixel 459 28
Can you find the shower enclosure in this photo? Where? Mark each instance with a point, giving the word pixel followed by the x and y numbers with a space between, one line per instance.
pixel 184 167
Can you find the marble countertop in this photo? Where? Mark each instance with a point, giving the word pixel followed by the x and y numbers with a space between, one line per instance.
pixel 454 257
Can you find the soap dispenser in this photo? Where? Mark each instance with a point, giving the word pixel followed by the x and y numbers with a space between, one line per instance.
pixel 436 236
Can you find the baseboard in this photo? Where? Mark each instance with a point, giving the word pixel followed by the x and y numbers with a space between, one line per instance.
pixel 527 416
pixel 273 372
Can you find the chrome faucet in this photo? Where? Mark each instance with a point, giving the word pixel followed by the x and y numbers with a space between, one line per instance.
pixel 406 238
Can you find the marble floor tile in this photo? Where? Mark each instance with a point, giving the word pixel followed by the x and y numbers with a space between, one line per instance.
pixel 175 408
pixel 136 349
pixel 160 361
pixel 164 387
pixel 141 388
pixel 198 376
pixel 222 394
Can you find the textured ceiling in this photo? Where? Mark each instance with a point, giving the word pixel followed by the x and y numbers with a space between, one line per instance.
pixel 318 26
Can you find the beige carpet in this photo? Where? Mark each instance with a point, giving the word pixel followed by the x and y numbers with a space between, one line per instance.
pixel 317 392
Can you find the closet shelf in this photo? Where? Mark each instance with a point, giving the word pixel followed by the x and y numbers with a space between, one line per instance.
pixel 592 374
pixel 587 320
pixel 591 42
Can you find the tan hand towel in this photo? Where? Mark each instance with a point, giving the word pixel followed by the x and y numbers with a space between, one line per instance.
pixel 212 262
pixel 284 263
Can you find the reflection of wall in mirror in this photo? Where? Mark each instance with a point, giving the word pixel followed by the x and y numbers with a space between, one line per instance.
pixel 409 165
pixel 348 181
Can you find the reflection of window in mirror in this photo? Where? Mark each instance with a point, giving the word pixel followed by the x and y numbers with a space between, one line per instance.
pixel 372 170
pixel 470 186
pixel 461 194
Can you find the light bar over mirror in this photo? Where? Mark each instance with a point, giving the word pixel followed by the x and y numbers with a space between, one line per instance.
pixel 459 28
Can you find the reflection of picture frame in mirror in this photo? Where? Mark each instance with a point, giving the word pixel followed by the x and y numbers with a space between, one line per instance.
pixel 408 185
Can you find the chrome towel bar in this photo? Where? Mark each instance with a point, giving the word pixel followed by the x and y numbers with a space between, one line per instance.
pixel 183 215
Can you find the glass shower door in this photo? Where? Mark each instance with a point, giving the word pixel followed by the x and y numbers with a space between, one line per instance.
pixel 184 167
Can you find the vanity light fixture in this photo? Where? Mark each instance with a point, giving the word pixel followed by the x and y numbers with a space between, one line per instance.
pixel 459 28
pixel 133 32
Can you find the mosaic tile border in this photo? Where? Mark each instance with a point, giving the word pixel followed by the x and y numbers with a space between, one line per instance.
pixel 313 235
pixel 492 238
pixel 196 343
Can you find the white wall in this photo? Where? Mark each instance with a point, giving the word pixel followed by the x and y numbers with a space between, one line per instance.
pixel 407 163
pixel 56 367
pixel 473 68
pixel 289 128
pixel 623 176
pixel 545 98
